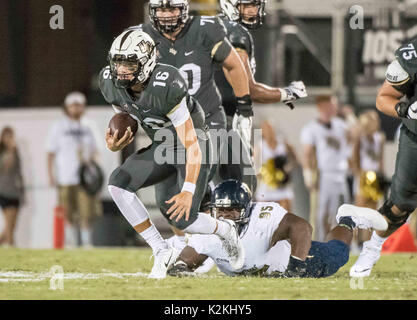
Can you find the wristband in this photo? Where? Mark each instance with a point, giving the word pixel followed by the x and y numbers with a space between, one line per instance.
pixel 244 106
pixel 284 94
pixel 401 108
pixel 189 187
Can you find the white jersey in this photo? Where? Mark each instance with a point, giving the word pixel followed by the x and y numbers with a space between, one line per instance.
pixel 332 148
pixel 370 152
pixel 256 239
pixel 265 192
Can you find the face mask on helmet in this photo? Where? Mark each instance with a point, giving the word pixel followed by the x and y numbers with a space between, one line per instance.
pixel 125 70
pixel 168 16
pixel 231 199
pixel 250 13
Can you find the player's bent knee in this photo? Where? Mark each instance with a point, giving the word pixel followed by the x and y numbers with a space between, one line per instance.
pixel 120 178
pixel 395 220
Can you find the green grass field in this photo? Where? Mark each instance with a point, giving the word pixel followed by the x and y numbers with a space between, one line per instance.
pixel 121 274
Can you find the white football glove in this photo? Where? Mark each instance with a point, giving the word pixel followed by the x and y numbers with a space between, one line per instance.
pixel 412 111
pixel 243 125
pixel 296 90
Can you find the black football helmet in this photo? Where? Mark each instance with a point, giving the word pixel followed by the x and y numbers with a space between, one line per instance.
pixel 230 9
pixel 168 25
pixel 232 194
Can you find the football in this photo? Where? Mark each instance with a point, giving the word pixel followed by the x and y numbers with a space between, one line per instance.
pixel 121 121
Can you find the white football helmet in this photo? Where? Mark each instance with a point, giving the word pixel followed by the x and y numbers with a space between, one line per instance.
pixel 230 10
pixel 168 25
pixel 134 50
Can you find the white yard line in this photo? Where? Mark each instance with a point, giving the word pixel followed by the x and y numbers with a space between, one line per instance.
pixel 26 276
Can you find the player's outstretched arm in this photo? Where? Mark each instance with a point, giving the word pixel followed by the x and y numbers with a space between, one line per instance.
pixel 238 79
pixel 192 258
pixel 182 202
pixel 263 93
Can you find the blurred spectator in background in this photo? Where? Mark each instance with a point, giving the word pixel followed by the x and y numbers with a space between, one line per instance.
pixel 70 145
pixel 368 165
pixel 368 161
pixel 210 4
pixel 11 184
pixel 326 153
pixel 278 160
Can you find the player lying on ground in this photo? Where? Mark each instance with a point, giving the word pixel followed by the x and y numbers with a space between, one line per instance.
pixel 401 80
pixel 276 242
pixel 177 161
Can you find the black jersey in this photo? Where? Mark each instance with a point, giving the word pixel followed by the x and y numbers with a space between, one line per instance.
pixel 406 55
pixel 241 39
pixel 164 92
pixel 193 53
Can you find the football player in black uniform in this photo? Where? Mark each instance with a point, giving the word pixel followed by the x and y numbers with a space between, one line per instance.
pixel 401 81
pixel 195 45
pixel 177 161
pixel 239 16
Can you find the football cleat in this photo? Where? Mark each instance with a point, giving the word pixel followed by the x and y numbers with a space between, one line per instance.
pixel 233 246
pixel 164 258
pixel 364 218
pixel 369 256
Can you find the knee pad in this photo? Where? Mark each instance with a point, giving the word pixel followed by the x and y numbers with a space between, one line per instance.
pixel 396 221
pixel 120 178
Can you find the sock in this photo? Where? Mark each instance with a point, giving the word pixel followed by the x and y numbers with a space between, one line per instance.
pixel 206 224
pixel 347 222
pixel 377 240
pixel 154 239
pixel 86 237
pixel 130 205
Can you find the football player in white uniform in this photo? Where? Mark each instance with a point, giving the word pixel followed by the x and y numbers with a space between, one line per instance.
pixel 276 242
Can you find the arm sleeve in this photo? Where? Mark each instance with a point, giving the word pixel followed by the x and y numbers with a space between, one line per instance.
pixel 215 39
pixel 180 114
pixel 397 77
pixel 204 244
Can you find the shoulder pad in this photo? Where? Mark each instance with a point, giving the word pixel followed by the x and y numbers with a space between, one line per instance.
pixel 396 74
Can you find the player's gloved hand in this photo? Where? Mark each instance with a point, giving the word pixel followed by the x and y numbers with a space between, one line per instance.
pixel 296 268
pixel 296 90
pixel 243 125
pixel 406 110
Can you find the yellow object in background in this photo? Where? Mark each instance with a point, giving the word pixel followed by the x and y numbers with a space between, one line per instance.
pixel 272 176
pixel 369 186
pixel 207 12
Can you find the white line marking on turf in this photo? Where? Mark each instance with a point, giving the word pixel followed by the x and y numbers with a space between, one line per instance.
pixel 21 276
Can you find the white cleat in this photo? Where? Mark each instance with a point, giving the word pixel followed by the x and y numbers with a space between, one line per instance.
pixel 164 258
pixel 233 246
pixel 364 218
pixel 369 256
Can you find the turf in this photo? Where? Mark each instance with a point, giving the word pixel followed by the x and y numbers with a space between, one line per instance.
pixel 121 274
